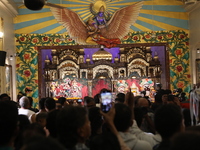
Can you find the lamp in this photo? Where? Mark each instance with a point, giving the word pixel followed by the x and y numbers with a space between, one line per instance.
pixel 1 35
pixel 198 50
pixel 1 40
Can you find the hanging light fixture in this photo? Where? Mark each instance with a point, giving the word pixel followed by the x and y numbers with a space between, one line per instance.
pixel 1 35
pixel 198 50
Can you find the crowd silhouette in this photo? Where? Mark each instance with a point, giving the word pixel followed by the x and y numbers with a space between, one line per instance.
pixel 132 123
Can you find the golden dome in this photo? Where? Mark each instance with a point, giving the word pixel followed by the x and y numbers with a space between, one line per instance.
pixel 101 54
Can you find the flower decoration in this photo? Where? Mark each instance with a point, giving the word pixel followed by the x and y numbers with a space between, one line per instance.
pixel 178 52
pixel 180 84
pixel 179 68
pixel 27 73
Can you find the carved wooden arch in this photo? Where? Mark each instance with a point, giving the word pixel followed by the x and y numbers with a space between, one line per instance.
pixel 138 63
pixel 97 68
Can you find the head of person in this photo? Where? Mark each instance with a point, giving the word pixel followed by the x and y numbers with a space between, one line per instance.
pixel 89 102
pixel 106 141
pixel 32 130
pixel 50 104
pixel 96 98
pixel 4 97
pixel 24 102
pixel 104 90
pixel 168 120
pixel 119 100
pixel 123 117
pixel 42 103
pixel 172 99
pixel 41 118
pixel 8 122
pixel 62 100
pixel 142 102
pixel 185 141
pixel 121 96
pixel 41 143
pixel 73 126
pixel 96 120
pixel 158 96
pixel 30 100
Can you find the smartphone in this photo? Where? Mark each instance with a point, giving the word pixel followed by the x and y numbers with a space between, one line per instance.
pixel 79 100
pixel 106 101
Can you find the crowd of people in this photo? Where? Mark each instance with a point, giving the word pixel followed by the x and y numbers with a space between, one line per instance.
pixel 132 123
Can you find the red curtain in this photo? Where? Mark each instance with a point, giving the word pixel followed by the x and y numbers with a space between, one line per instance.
pixel 100 84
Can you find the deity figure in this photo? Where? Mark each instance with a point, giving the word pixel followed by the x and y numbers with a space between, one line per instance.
pixel 107 31
pixel 101 19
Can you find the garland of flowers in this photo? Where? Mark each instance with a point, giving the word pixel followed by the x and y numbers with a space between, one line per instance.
pixel 27 63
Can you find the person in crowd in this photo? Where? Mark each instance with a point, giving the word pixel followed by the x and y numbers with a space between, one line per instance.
pixel 50 106
pixel 120 98
pixel 165 96
pixel 4 97
pixel 24 108
pixel 41 119
pixel 42 143
pixel 73 130
pixel 123 121
pixel 152 139
pixel 96 98
pixel 100 140
pixel 19 95
pixel 61 102
pixel 23 123
pixel 8 124
pixel 174 100
pixel 32 130
pixel 158 99
pixel 168 121
pixel 186 141
pixel 42 105
pixel 145 120
pixel 31 105
pixel 96 121
pixel 89 102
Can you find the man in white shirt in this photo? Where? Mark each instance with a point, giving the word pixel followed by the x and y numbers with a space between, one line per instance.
pixel 25 104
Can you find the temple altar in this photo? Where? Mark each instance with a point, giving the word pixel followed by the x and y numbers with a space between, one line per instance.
pixel 75 73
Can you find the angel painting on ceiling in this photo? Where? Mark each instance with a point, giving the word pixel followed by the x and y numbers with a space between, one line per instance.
pixel 101 28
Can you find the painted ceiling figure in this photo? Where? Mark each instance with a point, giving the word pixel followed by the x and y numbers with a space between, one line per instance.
pixel 101 17
pixel 108 33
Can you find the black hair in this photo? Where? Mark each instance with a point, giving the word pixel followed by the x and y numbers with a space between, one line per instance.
pixel 30 100
pixel 95 118
pixel 104 90
pixel 41 103
pixel 88 99
pixel 42 143
pixel 96 98
pixel 8 121
pixel 121 95
pixel 185 141
pixel 168 119
pixel 69 119
pixel 123 116
pixel 50 103
pixel 4 96
pixel 106 141
pixel 62 100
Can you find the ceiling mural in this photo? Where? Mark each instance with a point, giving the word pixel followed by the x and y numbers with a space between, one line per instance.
pixel 154 15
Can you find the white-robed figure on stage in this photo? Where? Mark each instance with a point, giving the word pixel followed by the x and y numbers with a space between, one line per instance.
pixel 194 104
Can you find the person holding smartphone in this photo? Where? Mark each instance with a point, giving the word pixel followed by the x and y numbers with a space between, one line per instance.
pixel 106 101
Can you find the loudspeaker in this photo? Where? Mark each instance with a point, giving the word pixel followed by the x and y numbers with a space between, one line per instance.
pixel 2 58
